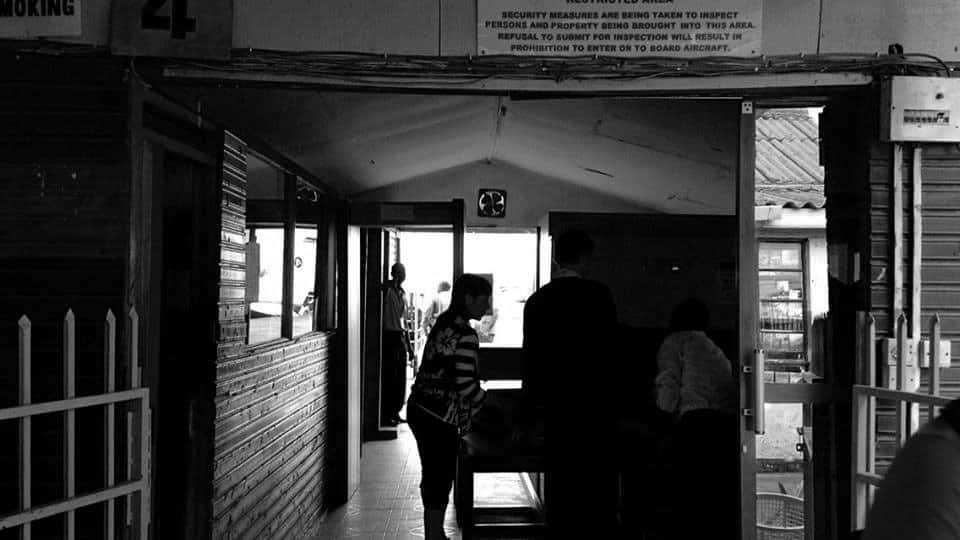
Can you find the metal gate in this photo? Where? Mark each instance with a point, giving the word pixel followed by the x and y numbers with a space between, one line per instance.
pixel 134 487
pixel 865 394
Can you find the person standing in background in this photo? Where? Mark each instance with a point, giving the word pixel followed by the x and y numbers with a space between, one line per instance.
pixel 437 306
pixel 395 347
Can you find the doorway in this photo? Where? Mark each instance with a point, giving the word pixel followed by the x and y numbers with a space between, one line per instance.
pixel 384 234
pixel 426 253
pixel 619 144
pixel 792 452
pixel 183 373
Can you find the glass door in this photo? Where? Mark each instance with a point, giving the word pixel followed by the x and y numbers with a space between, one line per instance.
pixel 795 394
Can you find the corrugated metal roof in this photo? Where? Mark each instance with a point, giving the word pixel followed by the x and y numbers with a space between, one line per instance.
pixel 788 171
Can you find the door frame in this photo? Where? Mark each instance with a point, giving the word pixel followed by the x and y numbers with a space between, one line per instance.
pixel 820 398
pixel 749 306
pixel 381 215
pixel 154 137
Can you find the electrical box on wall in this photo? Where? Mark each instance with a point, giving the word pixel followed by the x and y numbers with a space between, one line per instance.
pixel 920 109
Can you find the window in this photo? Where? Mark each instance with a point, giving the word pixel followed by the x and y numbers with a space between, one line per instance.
pixel 304 279
pixel 283 221
pixel 783 311
pixel 509 261
pixel 264 282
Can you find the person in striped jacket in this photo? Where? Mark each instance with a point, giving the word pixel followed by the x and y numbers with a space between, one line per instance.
pixel 446 395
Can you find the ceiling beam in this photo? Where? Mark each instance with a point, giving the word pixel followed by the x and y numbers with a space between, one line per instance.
pixel 716 86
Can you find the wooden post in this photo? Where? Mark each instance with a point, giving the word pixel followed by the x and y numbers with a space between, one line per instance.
pixel 896 236
pixel 70 391
pixel 26 427
pixel 871 350
pixel 916 243
pixel 916 264
pixel 289 253
pixel 109 377
pixel 134 359
pixel 133 442
pixel 859 429
pixel 144 467
pixel 864 427
pixel 934 361
pixel 902 427
pixel 459 230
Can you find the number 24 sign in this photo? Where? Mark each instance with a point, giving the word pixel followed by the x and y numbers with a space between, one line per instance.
pixel 173 28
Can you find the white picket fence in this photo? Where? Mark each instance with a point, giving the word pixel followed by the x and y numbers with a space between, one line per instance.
pixel 135 487
pixel 865 394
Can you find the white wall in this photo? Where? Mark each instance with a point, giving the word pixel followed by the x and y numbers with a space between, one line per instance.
pixel 529 195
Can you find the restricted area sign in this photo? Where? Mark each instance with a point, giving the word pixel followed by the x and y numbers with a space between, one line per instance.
pixel 630 28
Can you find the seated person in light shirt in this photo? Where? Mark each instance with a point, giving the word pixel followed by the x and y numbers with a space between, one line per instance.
pixel 694 374
pixel 695 385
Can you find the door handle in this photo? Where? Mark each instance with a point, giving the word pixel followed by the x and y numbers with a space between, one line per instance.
pixel 758 411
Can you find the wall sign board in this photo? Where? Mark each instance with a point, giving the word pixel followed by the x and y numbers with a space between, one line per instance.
pixel 39 18
pixel 627 28
pixel 172 28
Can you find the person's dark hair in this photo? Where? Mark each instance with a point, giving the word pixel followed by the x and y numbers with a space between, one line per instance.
pixel 951 414
pixel 466 284
pixel 443 286
pixel 572 245
pixel 691 314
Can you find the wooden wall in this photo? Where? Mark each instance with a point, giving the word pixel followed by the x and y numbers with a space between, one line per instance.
pixel 64 203
pixel 858 188
pixel 940 273
pixel 270 454
pixel 858 180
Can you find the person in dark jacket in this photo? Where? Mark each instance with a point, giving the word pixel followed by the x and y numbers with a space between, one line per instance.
pixel 446 395
pixel 919 497
pixel 569 330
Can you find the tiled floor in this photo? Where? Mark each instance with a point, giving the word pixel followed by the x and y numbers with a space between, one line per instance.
pixel 387 503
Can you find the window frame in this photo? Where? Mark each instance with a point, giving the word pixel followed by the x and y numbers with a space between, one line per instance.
pixel 804 301
pixel 290 213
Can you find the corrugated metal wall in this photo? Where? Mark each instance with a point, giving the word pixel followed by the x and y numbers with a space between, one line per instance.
pixel 64 204
pixel 271 402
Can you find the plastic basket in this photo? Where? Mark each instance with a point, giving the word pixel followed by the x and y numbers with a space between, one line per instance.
pixel 779 517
